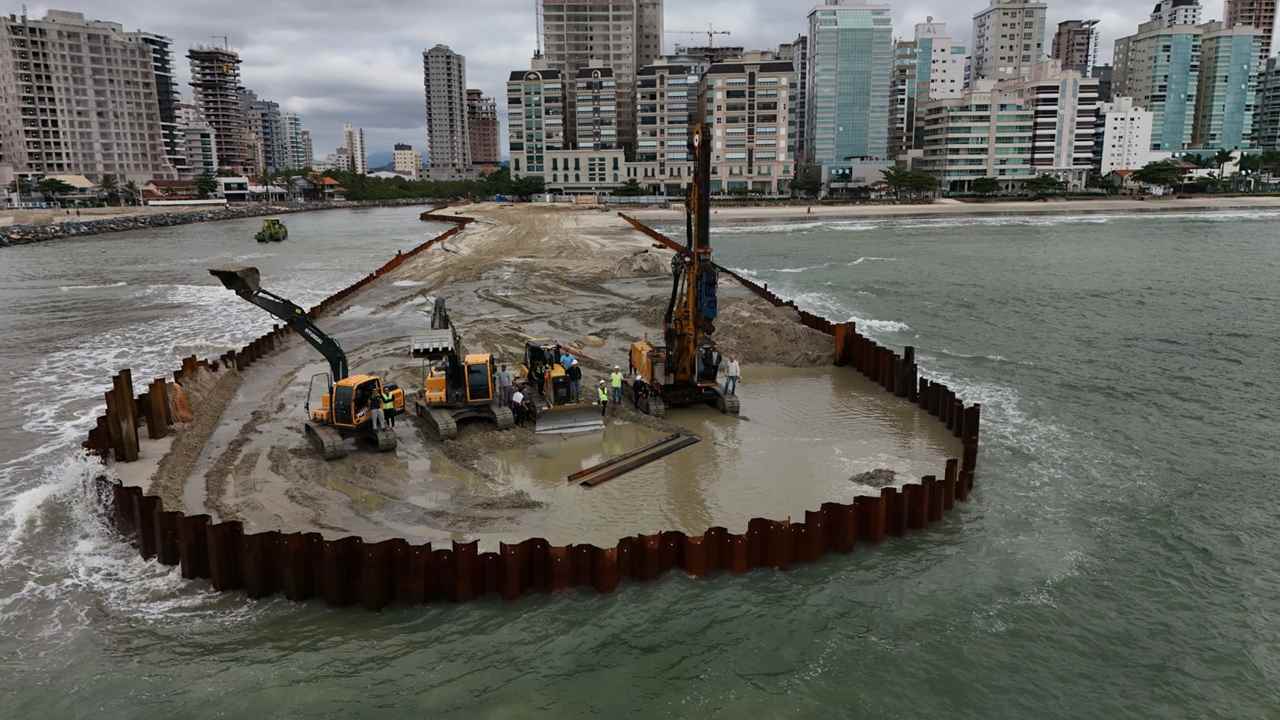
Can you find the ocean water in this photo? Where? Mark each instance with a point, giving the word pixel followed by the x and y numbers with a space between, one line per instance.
pixel 1120 557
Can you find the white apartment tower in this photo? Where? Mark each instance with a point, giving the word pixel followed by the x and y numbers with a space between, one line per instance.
pixel 406 161
pixel 448 139
pixel 1126 136
pixel 748 100
pixel 536 118
pixel 595 100
pixel 79 96
pixel 623 35
pixel 353 141
pixel 1008 38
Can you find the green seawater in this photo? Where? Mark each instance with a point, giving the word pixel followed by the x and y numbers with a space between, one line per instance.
pixel 1120 557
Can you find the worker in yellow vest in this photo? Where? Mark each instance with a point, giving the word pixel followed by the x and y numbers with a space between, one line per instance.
pixel 604 398
pixel 615 387
pixel 389 407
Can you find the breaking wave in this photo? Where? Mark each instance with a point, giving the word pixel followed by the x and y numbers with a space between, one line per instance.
pixel 69 288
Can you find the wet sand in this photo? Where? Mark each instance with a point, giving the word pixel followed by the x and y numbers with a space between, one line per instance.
pixel 954 207
pixel 587 279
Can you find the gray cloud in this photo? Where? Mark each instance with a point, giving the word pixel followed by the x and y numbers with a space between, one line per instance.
pixel 338 62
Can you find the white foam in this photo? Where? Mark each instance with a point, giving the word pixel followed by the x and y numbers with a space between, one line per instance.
pixel 863 259
pixel 69 288
pixel 407 283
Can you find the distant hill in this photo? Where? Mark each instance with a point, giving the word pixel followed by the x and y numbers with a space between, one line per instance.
pixel 380 158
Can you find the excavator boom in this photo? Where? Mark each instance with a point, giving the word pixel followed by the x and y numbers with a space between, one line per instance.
pixel 246 282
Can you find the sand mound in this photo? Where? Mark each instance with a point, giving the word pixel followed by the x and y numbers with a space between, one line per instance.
pixel 759 334
pixel 643 264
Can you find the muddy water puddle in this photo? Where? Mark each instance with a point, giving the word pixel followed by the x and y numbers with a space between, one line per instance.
pixel 801 435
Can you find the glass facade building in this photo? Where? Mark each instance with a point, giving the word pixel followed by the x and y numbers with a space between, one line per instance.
pixel 850 61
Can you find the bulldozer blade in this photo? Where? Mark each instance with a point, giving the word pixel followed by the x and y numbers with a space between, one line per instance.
pixel 240 279
pixel 569 419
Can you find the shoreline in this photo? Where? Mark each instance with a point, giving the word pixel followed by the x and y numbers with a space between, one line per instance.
pixel 13 235
pixel 952 209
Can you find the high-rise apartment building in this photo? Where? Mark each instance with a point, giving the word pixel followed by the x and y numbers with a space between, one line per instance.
pixel 1075 45
pixel 1008 38
pixel 666 108
pixel 1260 14
pixel 448 140
pixel 482 127
pixel 850 62
pixel 1159 67
pixel 1228 86
pixel 797 51
pixel 928 66
pixel 747 101
pixel 1168 13
pixel 168 97
pixel 267 126
pixel 79 96
pixel 595 108
pixel 295 151
pixel 535 118
pixel 1013 130
pixel 406 161
pixel 1125 137
pixel 308 149
pixel 622 34
pixel 1104 75
pixel 353 143
pixel 200 148
pixel 1266 112
pixel 216 92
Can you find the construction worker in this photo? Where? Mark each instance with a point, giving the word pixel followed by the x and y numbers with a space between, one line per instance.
pixel 615 386
pixel 517 406
pixel 375 412
pixel 604 398
pixel 504 386
pixel 389 406
pixel 732 373
pixel 638 389
pixel 575 380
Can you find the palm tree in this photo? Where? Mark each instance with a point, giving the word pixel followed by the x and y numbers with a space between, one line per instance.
pixel 54 188
pixel 109 186
pixel 135 194
pixel 1221 158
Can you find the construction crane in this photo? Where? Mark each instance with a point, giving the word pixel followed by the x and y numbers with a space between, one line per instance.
pixel 710 32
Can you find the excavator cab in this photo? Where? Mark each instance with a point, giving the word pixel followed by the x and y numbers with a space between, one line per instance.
pixel 559 411
pixel 479 369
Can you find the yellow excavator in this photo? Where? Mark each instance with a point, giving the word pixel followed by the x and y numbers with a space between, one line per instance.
pixel 456 386
pixel 546 381
pixel 345 403
pixel 682 371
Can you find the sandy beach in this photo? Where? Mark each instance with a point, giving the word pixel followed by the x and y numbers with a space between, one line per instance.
pixel 955 207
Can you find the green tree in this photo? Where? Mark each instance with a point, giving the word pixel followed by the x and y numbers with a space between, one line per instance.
pixel 1163 174
pixel 921 183
pixel 206 185
pixel 134 192
pixel 897 179
pixel 1042 185
pixel 631 188
pixel 986 186
pixel 54 188
pixel 807 180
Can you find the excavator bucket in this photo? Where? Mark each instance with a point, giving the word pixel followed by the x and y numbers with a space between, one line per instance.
pixel 568 419
pixel 240 279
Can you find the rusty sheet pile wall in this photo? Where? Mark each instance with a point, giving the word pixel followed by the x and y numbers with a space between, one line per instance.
pixel 349 571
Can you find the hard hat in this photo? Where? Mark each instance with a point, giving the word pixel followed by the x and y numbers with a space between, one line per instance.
pixel 615 367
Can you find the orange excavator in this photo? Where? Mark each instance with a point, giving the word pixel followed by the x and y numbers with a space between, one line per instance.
pixel 682 371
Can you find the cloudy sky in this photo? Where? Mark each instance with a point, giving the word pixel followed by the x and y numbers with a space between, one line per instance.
pixel 361 62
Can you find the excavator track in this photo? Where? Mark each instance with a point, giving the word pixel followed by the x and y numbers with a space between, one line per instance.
pixel 653 405
pixel 727 404
pixel 441 422
pixel 386 439
pixel 326 441
pixel 503 418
